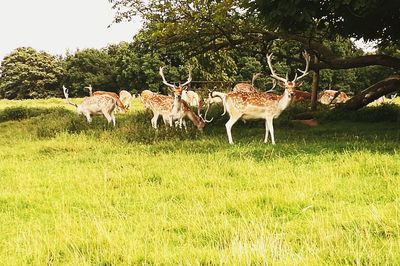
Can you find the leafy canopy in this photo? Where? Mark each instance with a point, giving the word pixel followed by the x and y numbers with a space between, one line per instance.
pixel 26 73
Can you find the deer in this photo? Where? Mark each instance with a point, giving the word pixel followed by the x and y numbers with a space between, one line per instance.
pixel 331 97
pixel 191 97
pixel 120 105
pixel 126 98
pixel 180 108
pixel 94 105
pixel 246 87
pixel 301 96
pixel 262 105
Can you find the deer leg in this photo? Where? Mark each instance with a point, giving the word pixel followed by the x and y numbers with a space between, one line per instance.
pixel 271 129
pixel 88 118
pixel 113 118
pixel 184 124
pixel 266 131
pixel 107 116
pixel 228 126
pixel 154 120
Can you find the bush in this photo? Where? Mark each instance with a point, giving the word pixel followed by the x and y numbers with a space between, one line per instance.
pixel 19 113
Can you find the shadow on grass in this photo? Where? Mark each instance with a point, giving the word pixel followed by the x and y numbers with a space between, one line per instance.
pixel 292 139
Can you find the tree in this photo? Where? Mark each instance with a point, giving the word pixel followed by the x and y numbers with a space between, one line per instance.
pixel 254 27
pixel 371 20
pixel 91 67
pixel 26 73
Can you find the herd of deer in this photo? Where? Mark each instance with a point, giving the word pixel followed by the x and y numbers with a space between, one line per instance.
pixel 244 102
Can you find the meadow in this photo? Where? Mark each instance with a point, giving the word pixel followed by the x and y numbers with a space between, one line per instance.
pixel 79 194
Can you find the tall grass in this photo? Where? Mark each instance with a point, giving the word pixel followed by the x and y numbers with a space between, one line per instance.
pixel 79 194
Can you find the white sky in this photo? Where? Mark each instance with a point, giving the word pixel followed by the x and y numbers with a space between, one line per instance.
pixel 57 25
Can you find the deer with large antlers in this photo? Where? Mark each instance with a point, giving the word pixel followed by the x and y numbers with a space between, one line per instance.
pixel 171 108
pixel 262 105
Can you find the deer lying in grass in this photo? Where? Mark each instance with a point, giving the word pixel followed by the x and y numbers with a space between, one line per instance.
pixel 120 105
pixel 329 97
pixel 246 87
pixel 95 105
pixel 261 105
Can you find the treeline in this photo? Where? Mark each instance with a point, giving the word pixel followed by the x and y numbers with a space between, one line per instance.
pixel 26 73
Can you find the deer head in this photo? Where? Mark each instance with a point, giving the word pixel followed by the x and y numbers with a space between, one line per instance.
pixel 285 82
pixel 177 90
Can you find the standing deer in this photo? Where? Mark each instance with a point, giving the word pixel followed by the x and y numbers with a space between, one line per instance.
pixel 262 105
pixel 120 105
pixel 180 108
pixel 94 105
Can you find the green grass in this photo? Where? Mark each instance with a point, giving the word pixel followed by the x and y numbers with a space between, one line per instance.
pixel 79 194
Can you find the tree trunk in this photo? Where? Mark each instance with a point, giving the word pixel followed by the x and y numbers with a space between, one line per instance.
pixel 314 90
pixel 372 93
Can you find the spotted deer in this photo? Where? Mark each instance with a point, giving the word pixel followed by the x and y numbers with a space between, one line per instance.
pixel 180 108
pixel 95 105
pixel 126 98
pixel 120 105
pixel 262 105
pixel 247 87
pixel 332 97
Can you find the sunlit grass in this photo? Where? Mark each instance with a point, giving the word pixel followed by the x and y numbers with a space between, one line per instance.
pixel 78 194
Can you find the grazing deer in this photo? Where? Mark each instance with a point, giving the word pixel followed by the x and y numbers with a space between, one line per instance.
pixel 120 106
pixel 94 105
pixel 262 105
pixel 126 98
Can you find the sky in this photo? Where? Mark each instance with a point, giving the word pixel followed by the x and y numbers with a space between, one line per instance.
pixel 56 26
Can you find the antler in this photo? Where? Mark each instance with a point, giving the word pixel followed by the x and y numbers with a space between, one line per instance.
pixel 189 78
pixel 90 89
pixel 255 76
pixel 205 115
pixel 305 72
pixel 65 90
pixel 273 74
pixel 164 80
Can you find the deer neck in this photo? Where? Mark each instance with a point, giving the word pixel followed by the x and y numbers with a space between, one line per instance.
pixel 176 106
pixel 284 101
pixel 194 118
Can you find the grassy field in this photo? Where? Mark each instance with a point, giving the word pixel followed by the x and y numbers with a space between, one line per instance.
pixel 79 194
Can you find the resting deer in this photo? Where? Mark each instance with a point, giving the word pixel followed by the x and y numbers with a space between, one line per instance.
pixel 331 97
pixel 94 105
pixel 246 87
pixel 261 105
pixel 121 107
